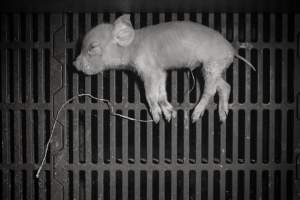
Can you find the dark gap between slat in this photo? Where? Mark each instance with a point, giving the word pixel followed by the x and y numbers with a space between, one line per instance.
pixel 71 184
pixel 277 185
pixel 180 185
pixel 82 185
pixel 94 189
pixel 47 133
pixel 168 185
pixel 204 185
pixel 278 76
pixel 242 27
pixel 180 136
pixel 81 133
pixel 47 81
pixel 265 185
pixel 216 185
pixel 265 136
pixel 290 136
pixel 266 27
pixel 143 186
pixel 131 183
pixel 192 184
pixel 1 137
pixel 289 184
pixel 204 145
pixel 241 185
pixel 143 137
pixel 277 136
pixel 266 75
pixel 168 142
pixel 155 185
pixel 106 136
pixel 241 136
pixel 290 75
pixel 34 77
pixel 254 27
pixel 253 136
pixel 24 185
pixel 131 137
pixel 242 78
pixel 70 125
pixel 217 137
pixel 35 135
pixel 106 184
pixel 155 143
pixel 118 139
pixel 254 76
pixel 94 135
pixel 228 185
pixel 229 137
pixel 192 140
pixel 119 180
pixel 253 185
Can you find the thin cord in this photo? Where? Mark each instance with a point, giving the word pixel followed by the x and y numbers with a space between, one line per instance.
pixel 107 102
pixel 111 108
pixel 194 82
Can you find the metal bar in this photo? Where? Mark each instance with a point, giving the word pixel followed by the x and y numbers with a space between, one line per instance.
pixel 88 137
pixel 260 28
pixel 174 179
pixel 137 181
pixel 41 133
pixel 283 137
pixel 272 137
pixel 17 137
pixel 76 191
pixel 210 179
pixel 272 76
pixel 88 184
pixel 100 184
pixel 247 137
pixel 272 27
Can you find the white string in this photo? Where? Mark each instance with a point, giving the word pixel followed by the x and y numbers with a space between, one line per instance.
pixel 108 103
pixel 194 83
pixel 56 120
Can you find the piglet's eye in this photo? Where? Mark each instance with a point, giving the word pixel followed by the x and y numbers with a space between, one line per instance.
pixel 94 49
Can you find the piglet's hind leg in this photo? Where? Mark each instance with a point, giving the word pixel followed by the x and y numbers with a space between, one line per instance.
pixel 211 78
pixel 223 89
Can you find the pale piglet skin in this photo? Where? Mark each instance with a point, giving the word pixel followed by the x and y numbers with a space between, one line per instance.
pixel 152 50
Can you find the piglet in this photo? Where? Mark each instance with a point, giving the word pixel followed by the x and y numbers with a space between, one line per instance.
pixel 153 50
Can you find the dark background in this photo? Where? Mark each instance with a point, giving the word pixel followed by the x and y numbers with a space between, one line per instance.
pixel 149 6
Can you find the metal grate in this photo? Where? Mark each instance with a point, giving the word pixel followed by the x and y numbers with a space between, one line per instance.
pixel 97 156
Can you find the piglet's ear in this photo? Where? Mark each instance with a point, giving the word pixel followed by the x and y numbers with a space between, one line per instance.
pixel 94 49
pixel 123 32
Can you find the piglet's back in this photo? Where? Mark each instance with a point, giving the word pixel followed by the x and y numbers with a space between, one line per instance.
pixel 183 42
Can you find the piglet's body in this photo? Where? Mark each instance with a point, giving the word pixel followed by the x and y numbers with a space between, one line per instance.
pixel 180 44
pixel 154 49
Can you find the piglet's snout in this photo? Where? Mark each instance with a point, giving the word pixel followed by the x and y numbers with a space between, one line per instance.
pixel 77 64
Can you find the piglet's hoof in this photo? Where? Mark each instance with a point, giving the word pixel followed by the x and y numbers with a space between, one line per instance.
pixel 156 115
pixel 223 115
pixel 169 113
pixel 198 112
pixel 196 115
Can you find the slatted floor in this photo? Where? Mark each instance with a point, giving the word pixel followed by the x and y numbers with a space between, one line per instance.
pixel 98 156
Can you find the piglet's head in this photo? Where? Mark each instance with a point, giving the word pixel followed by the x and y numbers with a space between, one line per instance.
pixel 105 46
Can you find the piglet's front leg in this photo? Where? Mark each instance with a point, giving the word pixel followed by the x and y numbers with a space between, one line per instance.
pixel 156 95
